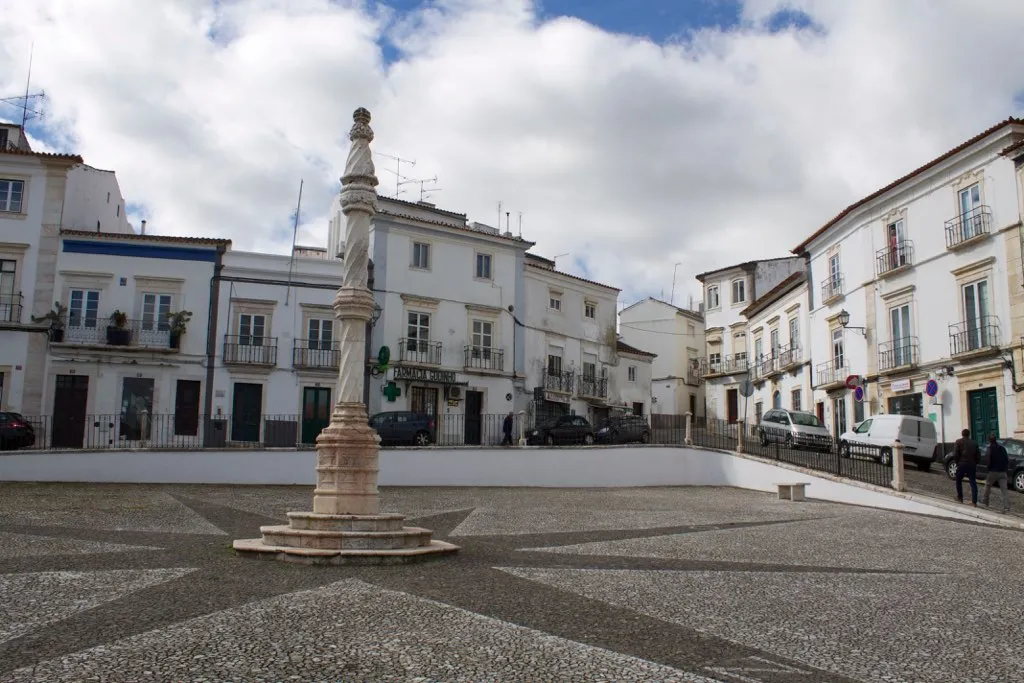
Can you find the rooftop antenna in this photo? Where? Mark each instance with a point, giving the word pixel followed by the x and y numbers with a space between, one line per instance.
pixel 499 215
pixel 558 256
pixel 398 169
pixel 674 268
pixel 508 222
pixel 22 101
pixel 295 232
pixel 424 191
pixel 520 225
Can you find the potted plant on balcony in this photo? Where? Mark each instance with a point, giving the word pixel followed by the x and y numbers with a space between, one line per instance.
pixel 56 318
pixel 178 322
pixel 118 333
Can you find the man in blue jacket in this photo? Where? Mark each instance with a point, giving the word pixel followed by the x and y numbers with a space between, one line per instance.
pixel 998 472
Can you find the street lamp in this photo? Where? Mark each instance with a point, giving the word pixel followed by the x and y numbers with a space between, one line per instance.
pixel 844 321
pixel 375 316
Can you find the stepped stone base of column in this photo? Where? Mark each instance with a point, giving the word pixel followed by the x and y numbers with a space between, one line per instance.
pixel 316 538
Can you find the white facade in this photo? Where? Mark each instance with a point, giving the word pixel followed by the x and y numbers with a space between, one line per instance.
pixel 923 267
pixel 727 292
pixel 93 202
pixel 630 379
pixel 676 337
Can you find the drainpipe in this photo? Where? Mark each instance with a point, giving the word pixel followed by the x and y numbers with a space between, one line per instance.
pixel 369 343
pixel 211 333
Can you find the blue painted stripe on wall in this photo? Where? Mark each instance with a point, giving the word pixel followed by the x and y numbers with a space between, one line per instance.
pixel 140 250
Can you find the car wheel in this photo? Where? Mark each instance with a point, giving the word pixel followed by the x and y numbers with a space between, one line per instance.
pixel 1018 480
pixel 421 439
pixel 588 439
pixel 645 437
pixel 844 449
pixel 764 438
pixel 924 465
pixel 885 457
pixel 549 440
pixel 951 469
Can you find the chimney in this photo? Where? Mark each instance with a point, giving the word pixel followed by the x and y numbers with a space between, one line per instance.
pixel 143 226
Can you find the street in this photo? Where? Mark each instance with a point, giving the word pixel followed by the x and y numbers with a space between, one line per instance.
pixel 935 482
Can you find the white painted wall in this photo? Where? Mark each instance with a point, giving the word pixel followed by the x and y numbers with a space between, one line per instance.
pixel 93 201
pixel 792 305
pixel 626 392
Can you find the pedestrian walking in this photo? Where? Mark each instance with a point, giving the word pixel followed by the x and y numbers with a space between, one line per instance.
pixel 966 455
pixel 506 429
pixel 998 472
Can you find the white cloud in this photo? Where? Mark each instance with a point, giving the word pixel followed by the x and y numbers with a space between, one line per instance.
pixel 629 154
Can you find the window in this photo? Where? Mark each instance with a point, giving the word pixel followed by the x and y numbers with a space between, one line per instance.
pixel 555 301
pixel 739 291
pixel 320 333
pixel 834 270
pixel 83 308
pixel 11 194
pixel 7 298
pixel 631 373
pixel 554 364
pixel 423 400
pixel 896 236
pixel 899 327
pixel 118 210
pixel 715 359
pixel 794 333
pixel 758 350
pixel 418 331
pixel 713 300
pixel 589 310
pixel 775 342
pixel 483 266
pixel 970 216
pixel 839 416
pixel 589 370
pixel 155 308
pixel 251 329
pixel 976 307
pixel 795 397
pixel 421 255
pixel 838 348
pixel 482 337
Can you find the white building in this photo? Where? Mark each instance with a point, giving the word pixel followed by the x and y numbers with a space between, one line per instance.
pixel 39 194
pixel 914 282
pixel 676 337
pixel 727 292
pixel 450 291
pixel 777 332
pixel 630 379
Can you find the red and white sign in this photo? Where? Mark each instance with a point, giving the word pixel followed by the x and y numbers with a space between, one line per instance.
pixel 853 381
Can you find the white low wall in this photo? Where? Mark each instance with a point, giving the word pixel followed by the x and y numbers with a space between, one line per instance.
pixel 538 467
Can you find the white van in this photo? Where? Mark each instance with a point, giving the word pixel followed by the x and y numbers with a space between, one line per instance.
pixel 917 435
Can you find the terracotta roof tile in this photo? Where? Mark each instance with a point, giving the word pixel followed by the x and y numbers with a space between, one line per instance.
pixel 623 347
pixel 775 292
pixel 427 207
pixel 42 155
pixel 574 277
pixel 146 238
pixel 878 193
pixel 452 226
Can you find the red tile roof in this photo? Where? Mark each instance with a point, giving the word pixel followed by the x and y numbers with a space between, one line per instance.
pixel 428 206
pixel 623 347
pixel 878 193
pixel 574 277
pixel 146 238
pixel 75 158
pixel 775 292
pixel 449 225
pixel 1017 147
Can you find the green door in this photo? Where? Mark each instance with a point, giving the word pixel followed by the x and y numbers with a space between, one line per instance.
pixel 984 414
pixel 316 412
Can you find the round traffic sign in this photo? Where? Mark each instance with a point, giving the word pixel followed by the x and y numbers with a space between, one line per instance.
pixel 858 394
pixel 931 388
pixel 746 388
pixel 852 381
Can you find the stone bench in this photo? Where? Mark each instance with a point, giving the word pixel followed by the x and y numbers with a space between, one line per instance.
pixel 794 491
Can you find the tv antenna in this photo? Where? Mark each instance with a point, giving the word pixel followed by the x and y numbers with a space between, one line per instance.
pixel 26 102
pixel 424 191
pixel 398 169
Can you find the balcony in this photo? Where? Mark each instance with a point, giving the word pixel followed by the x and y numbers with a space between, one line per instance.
pixel 832 288
pixel 484 358
pixel 781 359
pixel 419 351
pixel 730 365
pixel 895 258
pixel 693 373
pixel 974 336
pixel 246 349
pixel 832 374
pixel 559 381
pixel 593 387
pixel 898 354
pixel 313 354
pixel 968 228
pixel 790 355
pixel 145 334
pixel 10 308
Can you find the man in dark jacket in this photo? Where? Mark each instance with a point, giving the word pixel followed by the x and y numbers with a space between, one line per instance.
pixel 998 472
pixel 966 455
pixel 506 429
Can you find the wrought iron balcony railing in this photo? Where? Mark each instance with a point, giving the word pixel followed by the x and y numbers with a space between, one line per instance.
pixel 831 372
pixel 484 358
pixel 94 330
pixel 898 353
pixel 832 287
pixel 314 353
pixel 10 308
pixel 967 226
pixel 593 387
pixel 559 381
pixel 729 365
pixel 895 256
pixel 969 336
pixel 247 349
pixel 419 351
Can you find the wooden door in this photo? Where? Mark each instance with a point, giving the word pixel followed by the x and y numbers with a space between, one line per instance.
pixel 246 412
pixel 70 399
pixel 984 414
pixel 186 408
pixel 732 400
pixel 474 408
pixel 316 412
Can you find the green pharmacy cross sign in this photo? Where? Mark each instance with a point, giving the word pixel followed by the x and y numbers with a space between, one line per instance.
pixel 392 391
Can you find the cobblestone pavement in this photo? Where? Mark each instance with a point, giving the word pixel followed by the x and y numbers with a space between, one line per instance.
pixel 700 585
pixel 936 483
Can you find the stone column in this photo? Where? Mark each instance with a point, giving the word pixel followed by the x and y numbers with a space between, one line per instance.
pixel 522 428
pixel 899 480
pixel 347 449
pixel 688 439
pixel 740 428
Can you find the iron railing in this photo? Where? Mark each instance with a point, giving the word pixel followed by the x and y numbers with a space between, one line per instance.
pixel 967 226
pixel 969 336
pixel 563 381
pixel 898 353
pixel 316 354
pixel 94 330
pixel 831 372
pixel 593 387
pixel 728 365
pixel 484 358
pixel 832 287
pixel 246 349
pixel 11 308
pixel 897 255
pixel 419 351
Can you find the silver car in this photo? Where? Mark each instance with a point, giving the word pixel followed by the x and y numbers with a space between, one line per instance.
pixel 794 429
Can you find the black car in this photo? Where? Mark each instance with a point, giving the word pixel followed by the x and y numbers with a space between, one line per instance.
pixel 15 431
pixel 1014 449
pixel 562 430
pixel 405 428
pixel 624 429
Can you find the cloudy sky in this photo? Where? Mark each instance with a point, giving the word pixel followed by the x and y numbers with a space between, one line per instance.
pixel 631 134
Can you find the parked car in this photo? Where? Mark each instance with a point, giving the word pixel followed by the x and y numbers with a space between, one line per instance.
pixel 794 429
pixel 1014 449
pixel 405 428
pixel 15 431
pixel 564 429
pixel 917 434
pixel 624 429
